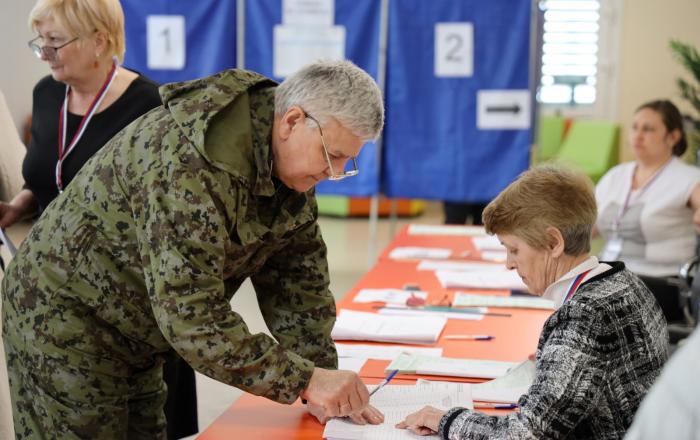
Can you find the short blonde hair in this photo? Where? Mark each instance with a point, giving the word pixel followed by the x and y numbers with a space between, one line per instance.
pixel 83 17
pixel 541 197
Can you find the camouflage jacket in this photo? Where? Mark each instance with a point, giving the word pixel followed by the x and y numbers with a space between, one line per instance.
pixel 157 232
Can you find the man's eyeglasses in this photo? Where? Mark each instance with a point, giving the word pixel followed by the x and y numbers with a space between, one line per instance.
pixel 49 52
pixel 334 176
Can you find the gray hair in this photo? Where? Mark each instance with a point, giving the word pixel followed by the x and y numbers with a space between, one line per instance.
pixel 337 89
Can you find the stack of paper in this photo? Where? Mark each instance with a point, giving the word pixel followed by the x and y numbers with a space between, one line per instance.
pixel 461 266
pixel 509 388
pixel 443 366
pixel 506 389
pixel 472 314
pixel 385 352
pixel 488 243
pixel 397 402
pixel 520 302
pixel 416 253
pixel 471 231
pixel 480 280
pixel 493 256
pixel 389 296
pixel 364 326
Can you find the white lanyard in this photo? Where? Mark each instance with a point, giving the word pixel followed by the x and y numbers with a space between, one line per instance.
pixel 64 151
pixel 618 219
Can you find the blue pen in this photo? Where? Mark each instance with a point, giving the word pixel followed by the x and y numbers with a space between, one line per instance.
pixel 495 405
pixel 384 382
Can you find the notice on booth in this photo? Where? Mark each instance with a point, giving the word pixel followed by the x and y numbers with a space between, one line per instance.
pixel 503 109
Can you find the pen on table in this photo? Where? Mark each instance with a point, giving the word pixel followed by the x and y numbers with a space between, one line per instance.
pixel 445 310
pixel 384 382
pixel 495 405
pixel 470 337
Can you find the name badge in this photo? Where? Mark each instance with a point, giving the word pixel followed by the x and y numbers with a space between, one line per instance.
pixel 612 249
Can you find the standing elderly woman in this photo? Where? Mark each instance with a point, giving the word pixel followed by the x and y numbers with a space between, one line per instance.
pixel 82 104
pixel 603 347
pixel 139 257
pixel 647 207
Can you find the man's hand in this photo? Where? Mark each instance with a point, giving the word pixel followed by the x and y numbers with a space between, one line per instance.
pixel 424 422
pixel 369 415
pixel 340 393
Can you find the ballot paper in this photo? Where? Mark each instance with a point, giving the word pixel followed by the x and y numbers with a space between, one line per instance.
pixel 384 352
pixel 519 302
pixel 471 231
pixel 480 280
pixel 351 363
pixel 443 366
pixel 461 266
pixel 396 402
pixel 417 252
pixel 473 314
pixel 506 389
pixel 362 326
pixel 488 243
pixel 4 239
pixel 389 296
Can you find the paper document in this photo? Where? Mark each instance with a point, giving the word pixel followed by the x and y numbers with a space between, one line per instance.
pixel 493 255
pixel 416 253
pixel 396 402
pixel 4 239
pixel 461 266
pixel 471 231
pixel 443 366
pixel 480 280
pixel 519 302
pixel 362 326
pixel 385 352
pixel 456 314
pixel 506 389
pixel 488 243
pixel 351 363
pixel 389 296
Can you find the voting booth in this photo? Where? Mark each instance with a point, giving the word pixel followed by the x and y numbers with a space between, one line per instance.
pixel 456 77
pixel 458 103
pixel 178 40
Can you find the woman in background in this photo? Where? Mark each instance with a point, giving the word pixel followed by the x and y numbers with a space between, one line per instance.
pixel 86 100
pixel 647 208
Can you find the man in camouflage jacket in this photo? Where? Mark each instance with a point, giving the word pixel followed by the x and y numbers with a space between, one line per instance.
pixel 144 250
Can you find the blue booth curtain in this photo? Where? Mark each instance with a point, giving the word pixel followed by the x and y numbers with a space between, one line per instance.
pixel 361 19
pixel 432 146
pixel 210 36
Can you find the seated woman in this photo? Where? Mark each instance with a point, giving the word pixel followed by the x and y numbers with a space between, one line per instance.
pixel 646 207
pixel 602 348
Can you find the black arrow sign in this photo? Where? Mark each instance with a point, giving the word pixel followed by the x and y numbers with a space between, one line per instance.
pixel 515 108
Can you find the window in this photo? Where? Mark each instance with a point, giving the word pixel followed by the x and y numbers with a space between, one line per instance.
pixel 570 52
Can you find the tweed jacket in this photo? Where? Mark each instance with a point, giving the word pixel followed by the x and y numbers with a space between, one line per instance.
pixel 597 357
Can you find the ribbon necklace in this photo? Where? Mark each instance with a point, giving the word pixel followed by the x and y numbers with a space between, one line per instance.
pixel 64 151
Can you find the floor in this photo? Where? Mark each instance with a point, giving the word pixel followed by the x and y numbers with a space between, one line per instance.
pixel 350 254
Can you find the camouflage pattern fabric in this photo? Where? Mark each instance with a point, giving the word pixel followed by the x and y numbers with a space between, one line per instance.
pixel 141 255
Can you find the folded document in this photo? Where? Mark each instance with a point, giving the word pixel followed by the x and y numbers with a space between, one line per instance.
pixel 444 366
pixel 362 326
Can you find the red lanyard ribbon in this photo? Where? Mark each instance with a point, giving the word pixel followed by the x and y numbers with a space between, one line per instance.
pixel 64 151
pixel 575 284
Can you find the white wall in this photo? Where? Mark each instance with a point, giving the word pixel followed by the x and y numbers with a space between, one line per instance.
pixel 647 68
pixel 20 68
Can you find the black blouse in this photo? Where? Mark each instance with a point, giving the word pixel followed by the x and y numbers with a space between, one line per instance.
pixel 39 167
